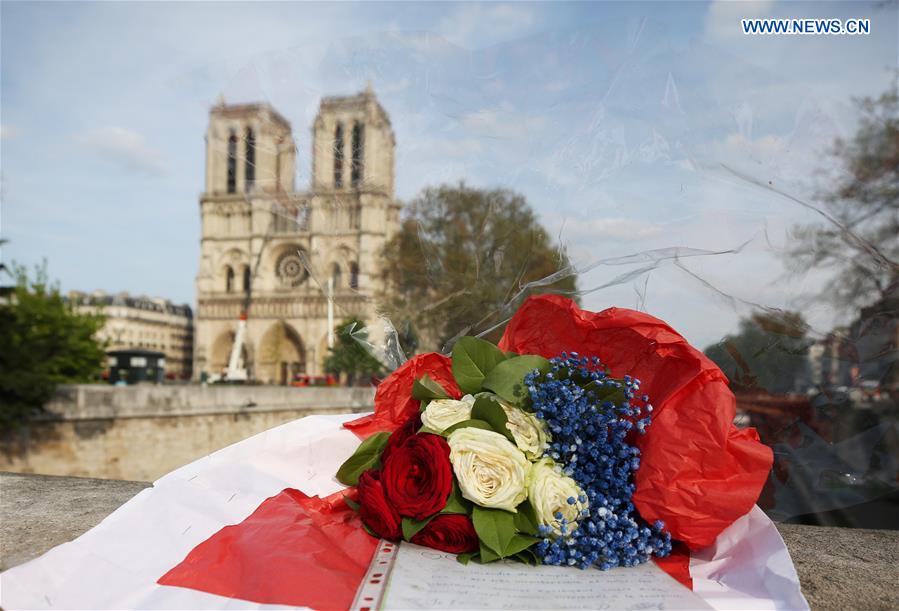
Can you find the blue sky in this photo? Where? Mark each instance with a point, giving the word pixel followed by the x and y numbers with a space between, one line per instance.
pixel 616 120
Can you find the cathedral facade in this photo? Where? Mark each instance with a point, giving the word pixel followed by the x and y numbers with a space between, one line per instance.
pixel 277 252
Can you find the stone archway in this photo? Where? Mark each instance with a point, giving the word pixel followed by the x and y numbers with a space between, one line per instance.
pixel 221 353
pixel 281 355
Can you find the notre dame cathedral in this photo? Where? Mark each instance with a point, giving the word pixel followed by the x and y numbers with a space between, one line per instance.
pixel 279 249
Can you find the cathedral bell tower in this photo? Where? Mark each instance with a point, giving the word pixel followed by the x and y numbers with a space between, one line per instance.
pixel 353 146
pixel 249 147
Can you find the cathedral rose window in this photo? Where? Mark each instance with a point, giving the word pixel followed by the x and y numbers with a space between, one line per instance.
pixel 290 269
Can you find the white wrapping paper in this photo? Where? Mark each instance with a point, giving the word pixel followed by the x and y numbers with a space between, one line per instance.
pixel 116 564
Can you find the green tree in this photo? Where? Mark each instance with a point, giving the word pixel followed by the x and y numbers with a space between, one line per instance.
pixel 859 237
pixel 769 352
pixel 348 356
pixel 460 260
pixel 44 342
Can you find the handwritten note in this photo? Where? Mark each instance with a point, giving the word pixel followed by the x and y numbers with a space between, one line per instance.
pixel 423 578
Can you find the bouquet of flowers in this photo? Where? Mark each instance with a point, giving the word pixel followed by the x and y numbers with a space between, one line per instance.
pixel 546 448
pixel 583 439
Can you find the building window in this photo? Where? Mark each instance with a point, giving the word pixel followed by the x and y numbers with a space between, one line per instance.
pixel 246 278
pixel 335 276
pixel 278 164
pixel 358 154
pixel 354 275
pixel 354 213
pixel 232 163
pixel 250 163
pixel 229 279
pixel 338 156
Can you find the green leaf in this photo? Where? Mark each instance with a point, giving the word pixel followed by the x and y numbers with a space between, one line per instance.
pixel 526 519
pixel 492 413
pixel 467 557
pixel 367 456
pixel 507 378
pixel 456 503
pixel 519 543
pixel 473 359
pixel 487 555
pixel 425 429
pixel 351 504
pixel 413 527
pixel 478 424
pixel 370 531
pixel 426 389
pixel 495 528
pixel 528 557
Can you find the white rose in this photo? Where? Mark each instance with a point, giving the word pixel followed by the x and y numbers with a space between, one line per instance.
pixel 529 432
pixel 491 471
pixel 441 414
pixel 549 491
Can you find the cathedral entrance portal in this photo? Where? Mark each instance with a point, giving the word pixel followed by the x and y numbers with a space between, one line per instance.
pixel 221 354
pixel 281 355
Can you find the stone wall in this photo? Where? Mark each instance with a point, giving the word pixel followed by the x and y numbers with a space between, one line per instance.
pixel 143 432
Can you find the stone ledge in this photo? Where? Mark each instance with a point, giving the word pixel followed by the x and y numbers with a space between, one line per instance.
pixel 102 401
pixel 39 512
pixel 839 568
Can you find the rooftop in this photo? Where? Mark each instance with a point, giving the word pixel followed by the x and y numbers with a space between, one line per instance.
pixel 349 101
pixel 142 302
pixel 240 110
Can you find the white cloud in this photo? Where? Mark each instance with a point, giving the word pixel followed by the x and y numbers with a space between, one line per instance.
pixel 442 149
pixel 557 86
pixel 424 43
pixel 125 147
pixel 722 22
pixel 394 87
pixel 472 24
pixel 430 160
pixel 760 149
pixel 608 228
pixel 501 122
pixel 796 159
pixel 7 132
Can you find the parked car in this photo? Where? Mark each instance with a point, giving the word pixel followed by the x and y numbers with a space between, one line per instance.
pixel 302 380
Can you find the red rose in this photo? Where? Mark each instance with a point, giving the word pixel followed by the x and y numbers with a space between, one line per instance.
pixel 418 478
pixel 374 508
pixel 449 532
pixel 399 436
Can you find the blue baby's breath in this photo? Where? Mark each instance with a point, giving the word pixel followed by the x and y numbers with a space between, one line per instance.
pixel 590 443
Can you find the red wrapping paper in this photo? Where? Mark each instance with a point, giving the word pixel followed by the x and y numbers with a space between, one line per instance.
pixel 677 564
pixel 393 400
pixel 293 550
pixel 697 472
